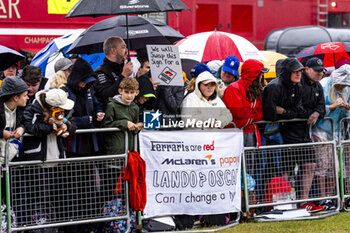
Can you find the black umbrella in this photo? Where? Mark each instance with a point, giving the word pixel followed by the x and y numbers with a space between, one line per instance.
pixel 8 57
pixel 142 31
pixel 187 65
pixel 96 8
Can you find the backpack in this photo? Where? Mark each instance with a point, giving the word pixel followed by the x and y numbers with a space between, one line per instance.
pixel 159 224
pixel 183 221
pixel 116 208
pixel 215 220
pixel 276 186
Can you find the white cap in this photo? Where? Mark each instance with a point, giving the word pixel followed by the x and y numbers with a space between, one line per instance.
pixel 58 98
pixel 214 65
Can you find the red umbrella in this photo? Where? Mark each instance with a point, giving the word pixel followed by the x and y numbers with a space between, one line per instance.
pixel 330 53
pixel 208 46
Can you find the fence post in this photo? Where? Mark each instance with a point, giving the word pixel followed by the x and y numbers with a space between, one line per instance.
pixel 7 188
pixel 341 176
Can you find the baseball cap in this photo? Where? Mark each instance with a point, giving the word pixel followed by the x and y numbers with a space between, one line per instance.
pixel 292 64
pixel 315 63
pixel 89 79
pixel 265 70
pixel 58 98
pixel 206 77
pixel 199 68
pixel 208 81
pixel 12 86
pixel 214 65
pixel 62 64
pixel 231 65
pixel 150 95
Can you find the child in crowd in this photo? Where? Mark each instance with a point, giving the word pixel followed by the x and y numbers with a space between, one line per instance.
pixel 123 113
pixel 204 104
pixel 45 145
pixel 13 99
pixel 32 76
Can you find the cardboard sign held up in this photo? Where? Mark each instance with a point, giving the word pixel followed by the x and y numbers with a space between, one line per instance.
pixel 165 64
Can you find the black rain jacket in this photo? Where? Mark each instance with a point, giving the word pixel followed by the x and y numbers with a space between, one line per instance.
pixel 109 76
pixel 284 93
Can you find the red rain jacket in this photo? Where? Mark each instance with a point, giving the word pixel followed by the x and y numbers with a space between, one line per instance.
pixel 244 112
pixel 135 173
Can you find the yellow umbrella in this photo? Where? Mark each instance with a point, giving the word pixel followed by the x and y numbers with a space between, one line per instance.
pixel 271 59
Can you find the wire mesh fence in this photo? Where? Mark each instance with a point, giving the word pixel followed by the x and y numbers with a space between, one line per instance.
pixel 292 176
pixel 344 145
pixel 63 192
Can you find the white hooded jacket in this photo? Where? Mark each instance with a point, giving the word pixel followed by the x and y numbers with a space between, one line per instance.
pixel 196 106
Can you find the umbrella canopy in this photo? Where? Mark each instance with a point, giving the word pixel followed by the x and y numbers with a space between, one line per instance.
pixel 142 31
pixel 215 45
pixel 187 65
pixel 53 50
pixel 47 57
pixel 8 57
pixel 96 8
pixel 330 53
pixel 270 62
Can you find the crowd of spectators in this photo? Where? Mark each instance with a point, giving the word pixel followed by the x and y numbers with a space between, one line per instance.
pixel 109 97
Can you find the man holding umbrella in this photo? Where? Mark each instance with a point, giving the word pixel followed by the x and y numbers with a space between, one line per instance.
pixel 112 70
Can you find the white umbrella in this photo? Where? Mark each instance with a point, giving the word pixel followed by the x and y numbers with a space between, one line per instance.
pixel 215 45
pixel 47 57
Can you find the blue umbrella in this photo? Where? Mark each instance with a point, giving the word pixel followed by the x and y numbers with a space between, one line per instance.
pixel 47 57
pixel 8 57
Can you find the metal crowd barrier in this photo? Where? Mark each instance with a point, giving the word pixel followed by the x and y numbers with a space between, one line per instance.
pixel 277 202
pixel 344 156
pixel 65 192
pixel 68 192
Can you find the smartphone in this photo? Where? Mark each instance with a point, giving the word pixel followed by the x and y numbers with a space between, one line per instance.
pixel 220 83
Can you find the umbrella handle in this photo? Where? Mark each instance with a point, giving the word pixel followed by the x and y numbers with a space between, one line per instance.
pixel 127 36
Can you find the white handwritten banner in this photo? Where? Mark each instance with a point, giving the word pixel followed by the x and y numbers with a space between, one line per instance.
pixel 192 172
pixel 165 64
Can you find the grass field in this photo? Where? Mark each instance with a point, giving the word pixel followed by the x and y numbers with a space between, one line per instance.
pixel 336 223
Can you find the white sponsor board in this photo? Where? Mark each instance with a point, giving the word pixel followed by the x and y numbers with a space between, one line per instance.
pixel 192 172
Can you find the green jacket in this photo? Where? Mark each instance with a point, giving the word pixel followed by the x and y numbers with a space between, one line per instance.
pixel 117 114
